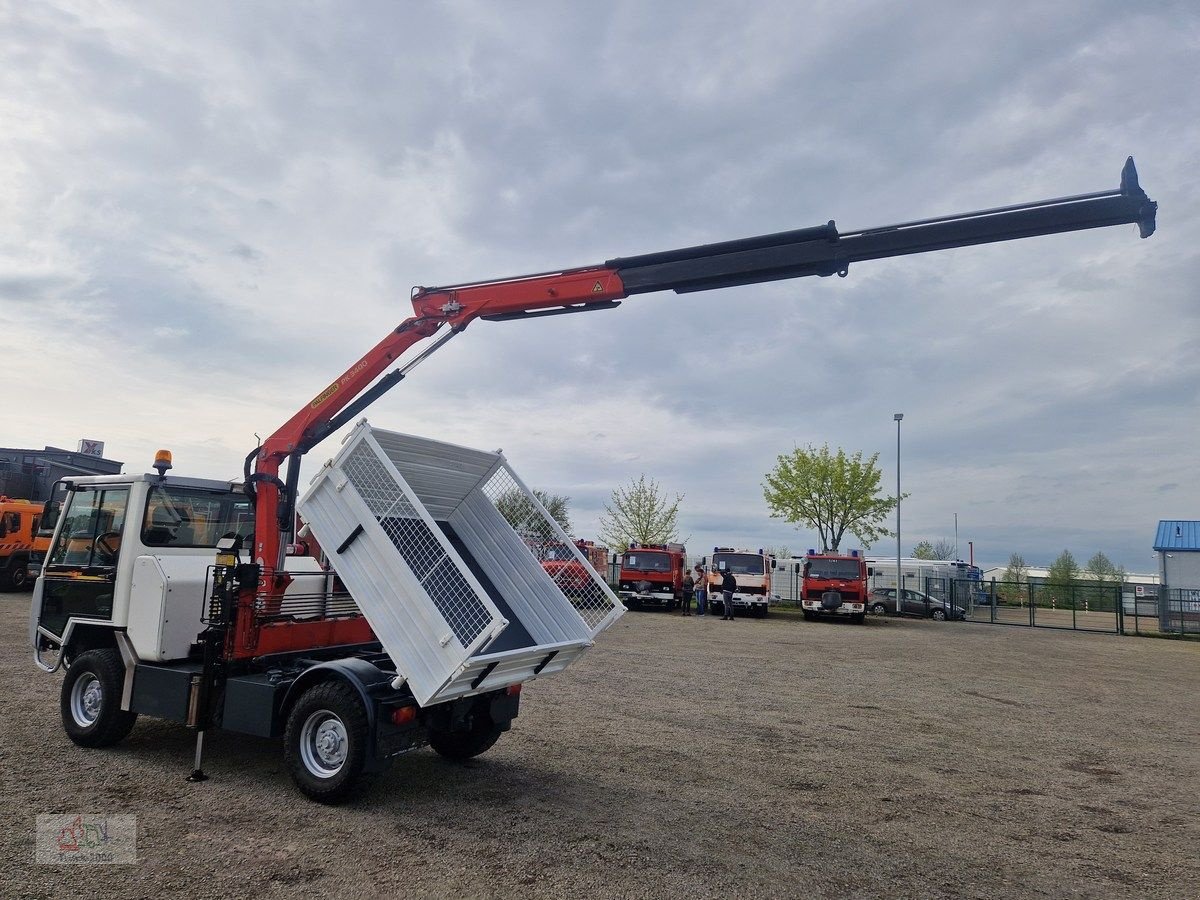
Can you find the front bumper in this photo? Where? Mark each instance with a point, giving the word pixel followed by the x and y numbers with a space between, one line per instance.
pixel 846 609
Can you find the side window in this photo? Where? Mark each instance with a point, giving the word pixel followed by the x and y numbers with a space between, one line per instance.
pixel 189 517
pixel 91 532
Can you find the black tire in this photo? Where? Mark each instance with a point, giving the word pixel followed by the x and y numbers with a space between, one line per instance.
pixel 325 744
pixel 461 744
pixel 808 615
pixel 90 701
pixel 878 609
pixel 938 615
pixel 15 577
pixel 858 618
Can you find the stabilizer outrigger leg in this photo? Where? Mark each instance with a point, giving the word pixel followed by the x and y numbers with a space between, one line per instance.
pixel 197 772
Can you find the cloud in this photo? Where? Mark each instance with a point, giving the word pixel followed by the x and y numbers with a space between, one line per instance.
pixel 211 212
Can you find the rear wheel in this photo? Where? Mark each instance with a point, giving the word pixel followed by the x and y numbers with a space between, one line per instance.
pixel 91 700
pixel 463 743
pixel 325 745
pixel 878 609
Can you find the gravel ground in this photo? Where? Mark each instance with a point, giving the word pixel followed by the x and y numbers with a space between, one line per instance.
pixel 682 758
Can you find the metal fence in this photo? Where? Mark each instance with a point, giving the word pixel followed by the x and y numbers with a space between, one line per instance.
pixel 1101 607
pixel 1179 610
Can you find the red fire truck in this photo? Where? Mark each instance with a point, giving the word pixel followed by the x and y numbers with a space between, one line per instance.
pixel 652 575
pixel 562 566
pixel 834 584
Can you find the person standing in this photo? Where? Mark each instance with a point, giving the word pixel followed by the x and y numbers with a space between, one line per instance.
pixel 689 588
pixel 728 586
pixel 701 589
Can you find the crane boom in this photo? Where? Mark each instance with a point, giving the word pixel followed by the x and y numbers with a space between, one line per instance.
pixel 820 250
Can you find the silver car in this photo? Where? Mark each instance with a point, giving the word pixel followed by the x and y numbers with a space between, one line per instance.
pixel 914 603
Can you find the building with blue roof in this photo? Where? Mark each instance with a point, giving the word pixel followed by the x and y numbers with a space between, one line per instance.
pixel 1177 544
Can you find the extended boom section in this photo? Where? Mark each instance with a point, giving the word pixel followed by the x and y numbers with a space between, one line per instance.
pixel 823 251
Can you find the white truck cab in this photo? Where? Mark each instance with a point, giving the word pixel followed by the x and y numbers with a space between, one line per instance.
pixel 133 552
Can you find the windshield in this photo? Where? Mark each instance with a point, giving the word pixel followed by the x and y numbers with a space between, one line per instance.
pixel 91 533
pixel 647 562
pixel 845 569
pixel 739 563
pixel 188 517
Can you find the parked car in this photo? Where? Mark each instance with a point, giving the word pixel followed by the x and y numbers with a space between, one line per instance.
pixel 915 603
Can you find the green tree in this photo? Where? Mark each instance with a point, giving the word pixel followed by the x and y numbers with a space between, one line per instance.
pixel 1014 576
pixel 1104 592
pixel 1100 568
pixel 923 550
pixel 523 515
pixel 1062 577
pixel 641 512
pixel 831 493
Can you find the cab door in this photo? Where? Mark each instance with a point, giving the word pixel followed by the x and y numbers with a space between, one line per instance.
pixel 81 566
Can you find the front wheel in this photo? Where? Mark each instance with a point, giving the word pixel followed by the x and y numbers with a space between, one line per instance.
pixel 16 577
pixel 91 700
pixel 325 745
pixel 939 615
pixel 858 618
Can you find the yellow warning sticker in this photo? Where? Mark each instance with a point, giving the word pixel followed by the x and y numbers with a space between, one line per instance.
pixel 597 288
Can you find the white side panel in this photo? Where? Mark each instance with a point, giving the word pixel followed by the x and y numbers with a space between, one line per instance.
pixel 521 581
pixel 166 603
pixel 594 603
pixel 424 605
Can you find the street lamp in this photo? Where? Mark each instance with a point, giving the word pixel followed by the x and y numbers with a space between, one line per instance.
pixel 899 581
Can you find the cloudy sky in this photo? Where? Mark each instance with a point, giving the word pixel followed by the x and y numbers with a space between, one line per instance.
pixel 210 210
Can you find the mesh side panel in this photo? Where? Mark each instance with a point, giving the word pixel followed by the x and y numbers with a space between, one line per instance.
pixel 559 557
pixel 420 547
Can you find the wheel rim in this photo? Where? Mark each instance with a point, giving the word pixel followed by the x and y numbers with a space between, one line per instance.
pixel 878 609
pixel 939 615
pixel 87 697
pixel 324 744
pixel 18 577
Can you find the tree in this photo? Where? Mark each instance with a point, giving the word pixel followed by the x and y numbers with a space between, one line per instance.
pixel 1015 575
pixel 640 512
pixel 923 550
pixel 943 549
pixel 1061 579
pixel 1101 571
pixel 524 517
pixel 1100 568
pixel 832 493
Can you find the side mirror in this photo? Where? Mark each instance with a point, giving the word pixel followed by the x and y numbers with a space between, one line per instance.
pixel 870 572
pixel 797 567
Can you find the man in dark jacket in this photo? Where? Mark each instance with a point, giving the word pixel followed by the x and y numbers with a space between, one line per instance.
pixel 728 586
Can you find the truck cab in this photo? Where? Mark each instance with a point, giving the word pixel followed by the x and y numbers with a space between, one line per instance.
pixel 751 570
pixel 132 553
pixel 18 525
pixel 834 584
pixel 652 575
